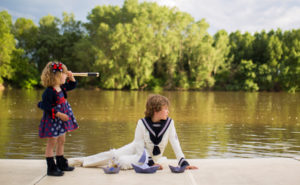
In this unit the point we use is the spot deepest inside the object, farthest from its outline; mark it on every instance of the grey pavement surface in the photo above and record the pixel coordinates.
(254, 171)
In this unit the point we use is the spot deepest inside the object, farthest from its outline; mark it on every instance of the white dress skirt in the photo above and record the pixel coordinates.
(130, 153)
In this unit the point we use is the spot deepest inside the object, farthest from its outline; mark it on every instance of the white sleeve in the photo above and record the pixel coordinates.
(175, 142)
(139, 138)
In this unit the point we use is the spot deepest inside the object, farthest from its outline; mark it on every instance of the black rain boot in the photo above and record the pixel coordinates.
(62, 163)
(52, 169)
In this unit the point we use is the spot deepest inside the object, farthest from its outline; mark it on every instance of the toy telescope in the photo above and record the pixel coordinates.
(96, 74)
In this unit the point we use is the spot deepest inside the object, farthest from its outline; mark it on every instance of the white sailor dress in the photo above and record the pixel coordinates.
(131, 152)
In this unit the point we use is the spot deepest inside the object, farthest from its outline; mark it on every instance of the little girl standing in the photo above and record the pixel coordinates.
(58, 117)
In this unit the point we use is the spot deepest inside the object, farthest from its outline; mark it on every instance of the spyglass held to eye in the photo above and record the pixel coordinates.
(58, 67)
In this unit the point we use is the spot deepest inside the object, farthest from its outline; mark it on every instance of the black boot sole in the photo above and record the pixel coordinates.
(56, 174)
(68, 169)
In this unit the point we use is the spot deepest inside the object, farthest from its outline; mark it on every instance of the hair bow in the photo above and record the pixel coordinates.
(57, 67)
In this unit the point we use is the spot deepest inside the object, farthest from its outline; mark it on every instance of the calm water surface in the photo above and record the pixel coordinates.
(208, 124)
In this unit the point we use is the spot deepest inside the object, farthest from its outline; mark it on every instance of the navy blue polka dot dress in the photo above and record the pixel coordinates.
(52, 126)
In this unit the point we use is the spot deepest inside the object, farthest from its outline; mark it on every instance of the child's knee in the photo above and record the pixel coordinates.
(52, 141)
(61, 140)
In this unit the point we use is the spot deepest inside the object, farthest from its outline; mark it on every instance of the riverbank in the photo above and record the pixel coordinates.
(251, 171)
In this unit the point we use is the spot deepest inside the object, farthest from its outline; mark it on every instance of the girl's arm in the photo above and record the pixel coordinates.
(71, 82)
(47, 101)
(139, 138)
(46, 105)
(177, 149)
(70, 76)
(69, 85)
(175, 142)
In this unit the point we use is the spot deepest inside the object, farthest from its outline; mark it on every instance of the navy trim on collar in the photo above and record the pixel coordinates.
(156, 139)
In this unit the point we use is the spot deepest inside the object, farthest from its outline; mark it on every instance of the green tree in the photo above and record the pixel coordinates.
(71, 33)
(48, 41)
(246, 73)
(268, 56)
(147, 46)
(26, 33)
(25, 71)
(290, 68)
(170, 27)
(25, 74)
(221, 62)
(7, 46)
(241, 49)
(222, 48)
(199, 53)
(138, 44)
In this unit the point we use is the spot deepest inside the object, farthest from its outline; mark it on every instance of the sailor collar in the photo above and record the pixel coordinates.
(149, 126)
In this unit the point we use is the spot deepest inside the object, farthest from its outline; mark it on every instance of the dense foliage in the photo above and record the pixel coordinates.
(147, 46)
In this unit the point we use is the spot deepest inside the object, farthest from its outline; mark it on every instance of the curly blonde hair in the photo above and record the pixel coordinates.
(49, 78)
(154, 104)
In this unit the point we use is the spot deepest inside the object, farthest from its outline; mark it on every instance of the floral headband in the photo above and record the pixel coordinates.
(56, 67)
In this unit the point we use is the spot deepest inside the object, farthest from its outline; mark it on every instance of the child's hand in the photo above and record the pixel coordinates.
(62, 116)
(191, 168)
(160, 166)
(70, 76)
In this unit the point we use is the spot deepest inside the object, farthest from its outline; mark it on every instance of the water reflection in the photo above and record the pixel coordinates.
(209, 124)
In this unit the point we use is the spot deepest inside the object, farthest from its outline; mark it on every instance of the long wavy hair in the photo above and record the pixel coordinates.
(49, 78)
(155, 102)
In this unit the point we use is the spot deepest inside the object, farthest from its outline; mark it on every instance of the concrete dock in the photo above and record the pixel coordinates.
(257, 171)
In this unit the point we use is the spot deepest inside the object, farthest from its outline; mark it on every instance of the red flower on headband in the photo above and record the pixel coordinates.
(57, 67)
(60, 66)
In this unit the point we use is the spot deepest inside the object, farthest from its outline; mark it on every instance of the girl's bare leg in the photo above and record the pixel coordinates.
(60, 145)
(50, 146)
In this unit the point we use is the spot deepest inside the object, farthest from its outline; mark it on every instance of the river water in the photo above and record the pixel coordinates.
(208, 124)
